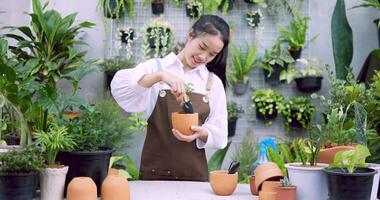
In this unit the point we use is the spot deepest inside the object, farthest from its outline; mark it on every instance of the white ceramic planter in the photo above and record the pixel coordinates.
(311, 182)
(52, 182)
(375, 184)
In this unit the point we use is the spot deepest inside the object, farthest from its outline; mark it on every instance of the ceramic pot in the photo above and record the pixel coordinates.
(52, 183)
(115, 187)
(252, 185)
(222, 183)
(183, 122)
(286, 193)
(327, 155)
(82, 188)
(267, 171)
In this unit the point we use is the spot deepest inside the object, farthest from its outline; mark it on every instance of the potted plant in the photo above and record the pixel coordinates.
(158, 38)
(274, 62)
(18, 173)
(183, 120)
(297, 113)
(226, 5)
(234, 112)
(295, 37)
(52, 177)
(242, 65)
(254, 18)
(115, 9)
(349, 176)
(266, 102)
(258, 2)
(194, 8)
(112, 65)
(157, 6)
(286, 191)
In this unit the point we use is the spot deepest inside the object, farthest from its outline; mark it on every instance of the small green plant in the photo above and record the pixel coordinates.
(120, 7)
(285, 182)
(234, 111)
(298, 111)
(275, 57)
(266, 102)
(115, 64)
(243, 63)
(254, 18)
(54, 140)
(258, 2)
(186, 105)
(24, 160)
(195, 8)
(352, 159)
(126, 167)
(311, 68)
(138, 123)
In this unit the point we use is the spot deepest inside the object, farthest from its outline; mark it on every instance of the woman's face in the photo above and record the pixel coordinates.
(202, 49)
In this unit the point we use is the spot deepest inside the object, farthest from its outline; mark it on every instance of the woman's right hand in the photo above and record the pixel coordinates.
(176, 84)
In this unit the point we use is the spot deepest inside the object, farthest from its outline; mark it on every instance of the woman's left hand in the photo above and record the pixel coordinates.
(199, 132)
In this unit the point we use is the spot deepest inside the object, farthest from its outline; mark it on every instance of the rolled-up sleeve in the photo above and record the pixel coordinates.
(216, 123)
(131, 96)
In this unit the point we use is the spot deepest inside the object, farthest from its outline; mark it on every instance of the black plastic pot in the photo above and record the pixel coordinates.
(309, 84)
(266, 116)
(12, 139)
(345, 186)
(274, 78)
(88, 164)
(295, 123)
(295, 53)
(18, 186)
(152, 40)
(125, 36)
(109, 77)
(232, 127)
(249, 1)
(157, 8)
(111, 14)
(192, 12)
(240, 88)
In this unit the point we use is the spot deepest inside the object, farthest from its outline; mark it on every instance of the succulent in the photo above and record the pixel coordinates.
(187, 107)
(285, 182)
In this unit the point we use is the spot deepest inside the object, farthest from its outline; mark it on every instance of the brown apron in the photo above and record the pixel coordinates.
(164, 157)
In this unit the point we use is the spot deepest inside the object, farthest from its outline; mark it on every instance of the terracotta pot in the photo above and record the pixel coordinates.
(327, 155)
(71, 115)
(267, 195)
(82, 188)
(253, 186)
(270, 186)
(183, 122)
(52, 182)
(267, 171)
(113, 171)
(286, 193)
(115, 187)
(222, 183)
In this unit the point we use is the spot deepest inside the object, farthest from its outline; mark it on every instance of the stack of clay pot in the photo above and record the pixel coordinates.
(267, 180)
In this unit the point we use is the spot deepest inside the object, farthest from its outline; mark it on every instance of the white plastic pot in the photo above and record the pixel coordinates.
(311, 182)
(52, 182)
(375, 184)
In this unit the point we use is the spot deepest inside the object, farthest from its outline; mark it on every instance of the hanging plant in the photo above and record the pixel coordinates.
(254, 18)
(115, 9)
(124, 41)
(194, 8)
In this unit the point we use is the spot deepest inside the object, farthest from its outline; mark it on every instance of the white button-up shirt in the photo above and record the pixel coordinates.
(134, 98)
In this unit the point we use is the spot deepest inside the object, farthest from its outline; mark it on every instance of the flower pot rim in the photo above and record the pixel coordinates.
(343, 147)
(222, 172)
(293, 187)
(306, 77)
(332, 171)
(32, 173)
(178, 113)
(299, 166)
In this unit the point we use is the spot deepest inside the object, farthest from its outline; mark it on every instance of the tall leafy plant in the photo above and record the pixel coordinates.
(342, 40)
(243, 63)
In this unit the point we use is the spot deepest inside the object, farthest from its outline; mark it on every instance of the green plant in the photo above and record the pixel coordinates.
(115, 64)
(243, 63)
(296, 36)
(216, 160)
(254, 18)
(24, 160)
(342, 40)
(186, 105)
(246, 153)
(298, 109)
(225, 5)
(161, 35)
(138, 123)
(120, 7)
(126, 167)
(234, 111)
(285, 182)
(311, 68)
(54, 140)
(275, 57)
(195, 7)
(370, 3)
(275, 157)
(259, 2)
(123, 42)
(350, 160)
(266, 101)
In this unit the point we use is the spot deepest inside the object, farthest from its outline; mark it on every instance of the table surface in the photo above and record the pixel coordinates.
(183, 190)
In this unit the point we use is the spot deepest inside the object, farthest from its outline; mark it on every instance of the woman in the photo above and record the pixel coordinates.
(156, 86)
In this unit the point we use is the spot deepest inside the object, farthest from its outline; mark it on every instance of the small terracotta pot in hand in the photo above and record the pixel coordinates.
(183, 122)
(222, 183)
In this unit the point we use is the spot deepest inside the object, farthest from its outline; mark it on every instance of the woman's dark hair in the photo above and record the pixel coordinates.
(215, 25)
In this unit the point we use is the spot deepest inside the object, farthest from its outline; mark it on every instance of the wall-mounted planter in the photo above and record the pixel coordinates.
(232, 127)
(157, 8)
(192, 11)
(295, 123)
(309, 84)
(240, 88)
(152, 40)
(295, 53)
(274, 78)
(267, 116)
(127, 35)
(111, 13)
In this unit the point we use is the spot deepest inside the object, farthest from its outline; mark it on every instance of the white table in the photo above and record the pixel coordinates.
(183, 190)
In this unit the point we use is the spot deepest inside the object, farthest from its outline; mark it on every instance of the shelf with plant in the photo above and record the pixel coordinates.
(115, 9)
(295, 37)
(243, 62)
(158, 37)
(266, 102)
(274, 62)
(254, 18)
(194, 8)
(297, 112)
(234, 112)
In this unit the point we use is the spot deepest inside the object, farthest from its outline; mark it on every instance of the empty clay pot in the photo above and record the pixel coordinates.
(222, 183)
(183, 122)
(270, 186)
(82, 188)
(267, 171)
(115, 187)
(286, 193)
(267, 195)
(327, 155)
(252, 185)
